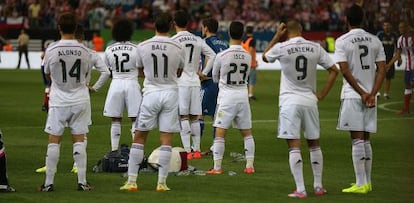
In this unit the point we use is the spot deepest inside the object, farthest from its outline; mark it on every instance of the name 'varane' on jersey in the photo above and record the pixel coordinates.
(298, 83)
(68, 63)
(160, 57)
(193, 46)
(120, 57)
(361, 50)
(231, 69)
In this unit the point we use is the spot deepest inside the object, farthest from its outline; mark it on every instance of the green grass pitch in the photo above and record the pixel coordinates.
(22, 122)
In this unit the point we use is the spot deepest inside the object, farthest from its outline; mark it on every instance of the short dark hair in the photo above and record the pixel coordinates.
(355, 15)
(181, 18)
(122, 30)
(236, 30)
(163, 22)
(211, 24)
(67, 23)
(249, 29)
(79, 32)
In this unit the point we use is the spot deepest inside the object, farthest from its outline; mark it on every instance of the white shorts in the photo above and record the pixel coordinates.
(294, 118)
(189, 100)
(121, 94)
(354, 116)
(239, 114)
(159, 108)
(75, 117)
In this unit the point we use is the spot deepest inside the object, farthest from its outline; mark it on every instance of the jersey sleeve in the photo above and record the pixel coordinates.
(381, 52)
(139, 58)
(207, 51)
(340, 54)
(273, 54)
(324, 59)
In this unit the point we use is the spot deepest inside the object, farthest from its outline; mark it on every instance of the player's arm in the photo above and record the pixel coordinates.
(351, 80)
(216, 70)
(281, 30)
(104, 73)
(332, 74)
(210, 56)
(253, 53)
(397, 56)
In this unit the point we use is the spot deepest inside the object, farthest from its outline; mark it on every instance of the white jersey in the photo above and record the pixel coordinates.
(193, 46)
(360, 50)
(121, 57)
(68, 63)
(406, 45)
(160, 57)
(298, 58)
(98, 63)
(230, 70)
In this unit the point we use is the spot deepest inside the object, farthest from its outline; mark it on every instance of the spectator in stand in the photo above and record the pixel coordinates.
(98, 42)
(34, 14)
(7, 46)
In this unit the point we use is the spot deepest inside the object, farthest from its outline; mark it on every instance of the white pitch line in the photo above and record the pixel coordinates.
(383, 106)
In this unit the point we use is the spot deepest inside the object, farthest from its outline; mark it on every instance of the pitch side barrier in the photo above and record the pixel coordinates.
(9, 61)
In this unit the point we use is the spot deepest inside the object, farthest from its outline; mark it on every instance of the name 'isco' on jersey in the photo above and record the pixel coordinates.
(120, 57)
(298, 58)
(405, 44)
(193, 46)
(231, 69)
(68, 63)
(160, 57)
(361, 50)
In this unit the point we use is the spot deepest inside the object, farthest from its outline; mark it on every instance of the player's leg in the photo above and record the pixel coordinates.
(368, 159)
(26, 54)
(243, 121)
(408, 78)
(114, 107)
(296, 168)
(164, 161)
(195, 111)
(133, 102)
(4, 182)
(388, 77)
(184, 110)
(116, 130)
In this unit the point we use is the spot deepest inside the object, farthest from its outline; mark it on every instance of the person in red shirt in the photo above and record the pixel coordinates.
(98, 42)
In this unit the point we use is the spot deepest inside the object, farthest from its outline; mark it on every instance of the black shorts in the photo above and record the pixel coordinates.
(390, 73)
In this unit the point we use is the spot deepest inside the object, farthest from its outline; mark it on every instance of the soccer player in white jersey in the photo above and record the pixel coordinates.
(361, 58)
(67, 64)
(97, 62)
(189, 83)
(230, 70)
(161, 60)
(125, 91)
(405, 47)
(298, 97)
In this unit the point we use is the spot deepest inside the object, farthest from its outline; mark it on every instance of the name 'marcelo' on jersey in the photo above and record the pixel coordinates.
(361, 50)
(121, 57)
(231, 69)
(68, 62)
(298, 58)
(160, 57)
(193, 46)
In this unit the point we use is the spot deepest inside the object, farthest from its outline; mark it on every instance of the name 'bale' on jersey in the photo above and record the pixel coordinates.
(160, 57)
(68, 63)
(361, 50)
(231, 69)
(120, 57)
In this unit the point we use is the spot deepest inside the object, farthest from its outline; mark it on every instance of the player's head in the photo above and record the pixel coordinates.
(79, 33)
(236, 30)
(403, 27)
(122, 30)
(67, 23)
(293, 27)
(249, 30)
(210, 25)
(386, 25)
(181, 18)
(163, 22)
(355, 15)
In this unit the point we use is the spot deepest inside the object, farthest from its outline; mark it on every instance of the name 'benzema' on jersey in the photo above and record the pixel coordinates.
(301, 49)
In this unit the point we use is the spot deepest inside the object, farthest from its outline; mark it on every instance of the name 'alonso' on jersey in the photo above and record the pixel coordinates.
(361, 50)
(120, 57)
(68, 63)
(298, 58)
(231, 69)
(160, 57)
(193, 46)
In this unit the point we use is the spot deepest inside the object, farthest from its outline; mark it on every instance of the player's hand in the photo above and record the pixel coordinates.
(369, 100)
(319, 96)
(399, 61)
(281, 30)
(91, 89)
(202, 76)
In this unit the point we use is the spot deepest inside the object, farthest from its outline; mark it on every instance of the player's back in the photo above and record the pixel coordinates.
(192, 46)
(68, 63)
(217, 45)
(233, 67)
(120, 57)
(361, 50)
(160, 57)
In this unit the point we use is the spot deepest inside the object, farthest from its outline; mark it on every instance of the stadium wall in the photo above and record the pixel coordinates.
(9, 61)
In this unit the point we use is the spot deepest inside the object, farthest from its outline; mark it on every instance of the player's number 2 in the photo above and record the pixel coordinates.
(364, 52)
(120, 66)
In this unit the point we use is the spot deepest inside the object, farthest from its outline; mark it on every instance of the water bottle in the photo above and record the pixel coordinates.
(232, 173)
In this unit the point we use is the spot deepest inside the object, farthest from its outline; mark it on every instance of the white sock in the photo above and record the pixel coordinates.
(249, 148)
(52, 159)
(296, 167)
(368, 160)
(133, 130)
(136, 155)
(196, 132)
(85, 142)
(218, 152)
(185, 135)
(164, 163)
(115, 135)
(79, 155)
(358, 159)
(316, 158)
